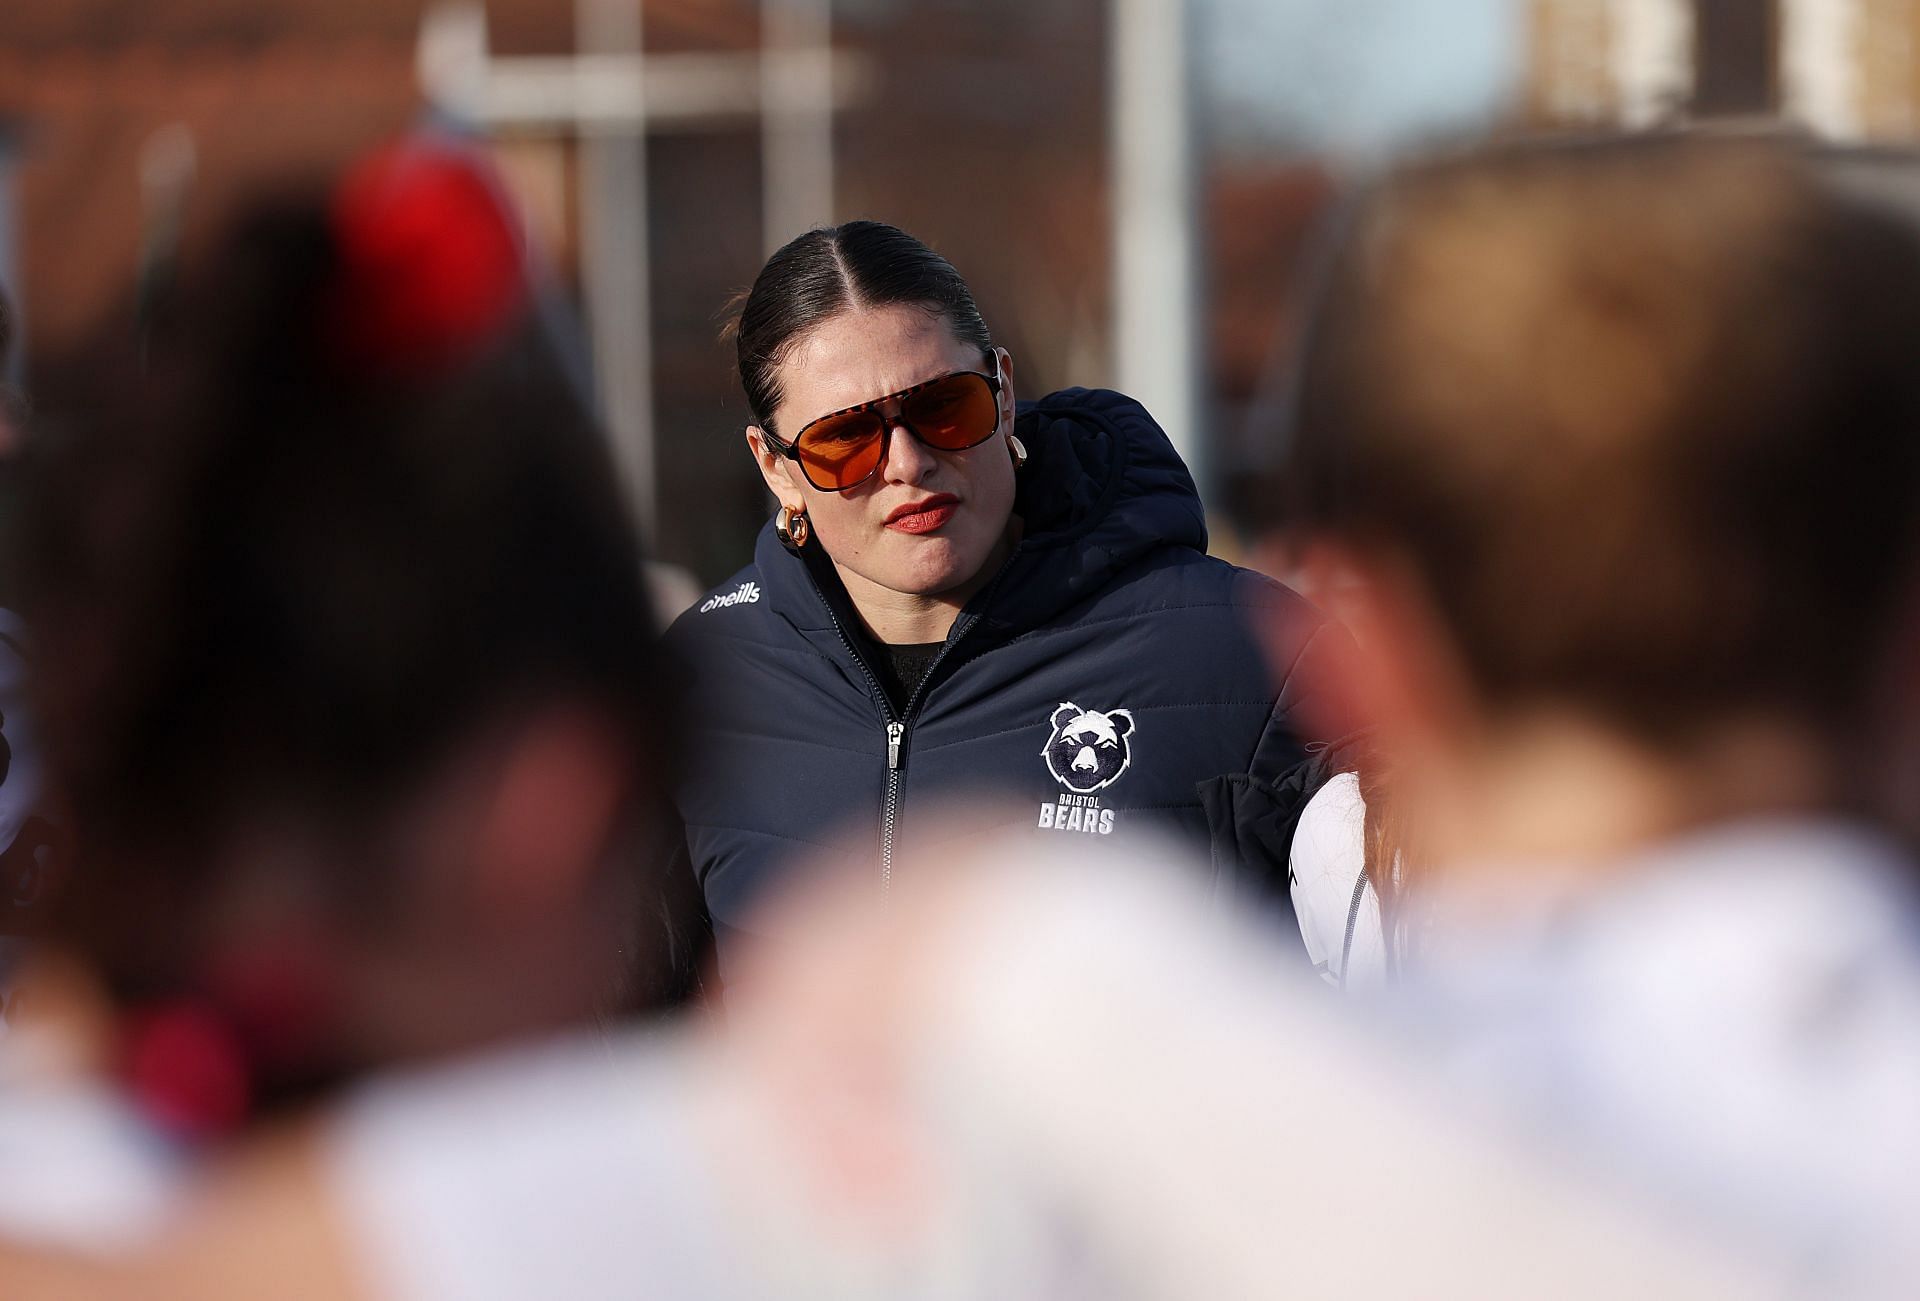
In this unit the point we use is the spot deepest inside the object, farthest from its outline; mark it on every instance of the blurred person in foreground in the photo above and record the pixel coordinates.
(350, 690)
(1663, 1035)
(1635, 527)
(1681, 615)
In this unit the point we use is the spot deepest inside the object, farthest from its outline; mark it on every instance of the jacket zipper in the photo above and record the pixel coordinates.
(896, 733)
(897, 727)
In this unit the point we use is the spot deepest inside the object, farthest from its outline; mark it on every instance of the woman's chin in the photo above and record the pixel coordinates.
(931, 565)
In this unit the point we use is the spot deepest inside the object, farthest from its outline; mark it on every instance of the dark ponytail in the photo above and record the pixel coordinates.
(825, 272)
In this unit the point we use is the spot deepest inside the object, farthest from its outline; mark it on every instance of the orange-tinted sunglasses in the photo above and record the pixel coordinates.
(843, 449)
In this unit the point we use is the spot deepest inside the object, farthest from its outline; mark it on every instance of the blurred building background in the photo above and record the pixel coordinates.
(1849, 69)
(1132, 186)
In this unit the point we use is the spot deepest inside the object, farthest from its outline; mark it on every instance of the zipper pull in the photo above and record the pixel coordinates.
(894, 732)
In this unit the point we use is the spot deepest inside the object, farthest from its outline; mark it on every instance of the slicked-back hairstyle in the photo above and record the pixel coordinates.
(829, 270)
(1643, 417)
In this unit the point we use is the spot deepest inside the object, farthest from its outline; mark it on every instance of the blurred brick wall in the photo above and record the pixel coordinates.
(986, 136)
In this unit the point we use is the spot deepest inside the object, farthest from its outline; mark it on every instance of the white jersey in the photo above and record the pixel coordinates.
(1117, 1093)
(571, 1170)
(1729, 1023)
(1722, 1033)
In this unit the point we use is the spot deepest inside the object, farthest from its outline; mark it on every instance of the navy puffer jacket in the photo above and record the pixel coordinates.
(1111, 679)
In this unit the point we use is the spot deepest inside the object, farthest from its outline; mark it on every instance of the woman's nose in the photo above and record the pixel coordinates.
(908, 461)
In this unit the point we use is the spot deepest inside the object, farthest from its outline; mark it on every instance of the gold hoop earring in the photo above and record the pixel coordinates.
(1019, 451)
(793, 528)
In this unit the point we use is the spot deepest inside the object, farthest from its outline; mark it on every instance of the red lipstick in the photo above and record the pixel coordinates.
(923, 516)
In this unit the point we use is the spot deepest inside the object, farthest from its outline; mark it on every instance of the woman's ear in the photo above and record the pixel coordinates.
(547, 814)
(1407, 676)
(775, 469)
(1005, 359)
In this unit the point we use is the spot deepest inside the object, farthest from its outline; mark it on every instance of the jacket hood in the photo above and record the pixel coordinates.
(1102, 487)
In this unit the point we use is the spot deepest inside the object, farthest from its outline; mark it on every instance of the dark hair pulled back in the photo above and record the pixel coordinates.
(832, 269)
(270, 580)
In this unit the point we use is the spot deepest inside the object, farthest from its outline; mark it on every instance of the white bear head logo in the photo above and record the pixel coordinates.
(1088, 749)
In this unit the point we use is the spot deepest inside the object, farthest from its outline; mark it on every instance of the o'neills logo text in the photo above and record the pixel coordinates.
(745, 594)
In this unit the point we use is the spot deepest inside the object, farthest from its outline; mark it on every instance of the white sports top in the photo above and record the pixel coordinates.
(1728, 1046)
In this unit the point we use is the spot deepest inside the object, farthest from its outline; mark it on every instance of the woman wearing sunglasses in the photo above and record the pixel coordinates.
(965, 598)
